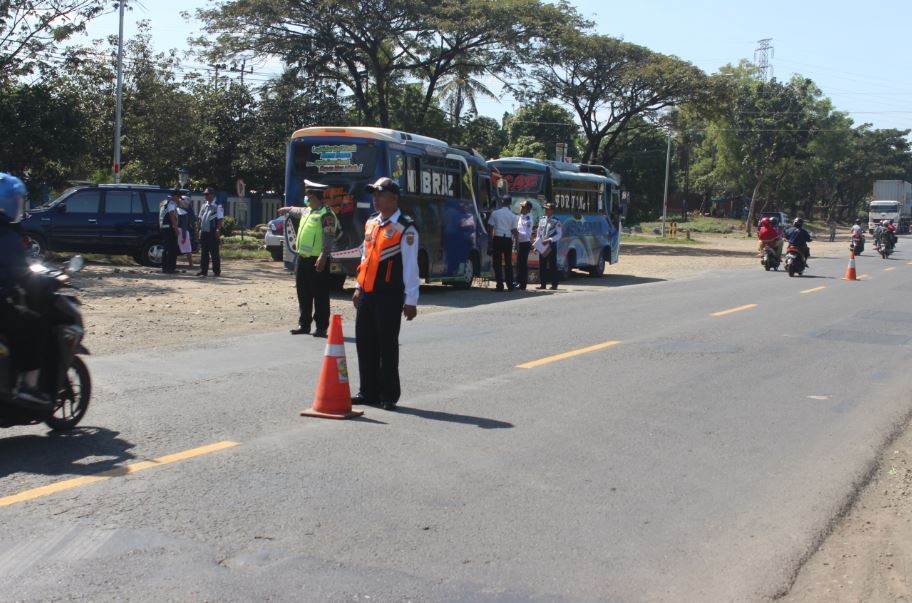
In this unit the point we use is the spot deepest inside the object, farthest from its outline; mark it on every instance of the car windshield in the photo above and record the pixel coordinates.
(63, 195)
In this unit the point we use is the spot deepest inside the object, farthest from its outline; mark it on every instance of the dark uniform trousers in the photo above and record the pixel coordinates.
(522, 263)
(377, 335)
(313, 293)
(209, 246)
(169, 254)
(503, 254)
(548, 266)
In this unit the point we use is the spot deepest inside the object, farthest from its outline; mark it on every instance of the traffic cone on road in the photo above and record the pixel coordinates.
(333, 397)
(850, 271)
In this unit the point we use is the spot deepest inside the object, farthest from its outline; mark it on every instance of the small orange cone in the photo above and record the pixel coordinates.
(333, 397)
(850, 271)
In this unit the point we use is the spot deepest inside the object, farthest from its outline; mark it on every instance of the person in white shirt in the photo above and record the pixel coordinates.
(548, 235)
(523, 243)
(502, 229)
(211, 215)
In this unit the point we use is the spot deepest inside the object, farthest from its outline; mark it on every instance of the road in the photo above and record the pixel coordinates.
(671, 441)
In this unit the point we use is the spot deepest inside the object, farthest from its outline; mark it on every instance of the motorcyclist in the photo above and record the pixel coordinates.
(880, 231)
(800, 238)
(774, 222)
(768, 235)
(857, 236)
(891, 232)
(25, 331)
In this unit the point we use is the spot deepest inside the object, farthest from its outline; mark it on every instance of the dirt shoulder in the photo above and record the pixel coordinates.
(867, 558)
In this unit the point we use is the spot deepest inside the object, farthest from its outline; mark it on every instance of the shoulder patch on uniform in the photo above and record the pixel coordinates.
(410, 238)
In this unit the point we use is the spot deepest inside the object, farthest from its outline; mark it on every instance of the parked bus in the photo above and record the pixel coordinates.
(442, 188)
(586, 200)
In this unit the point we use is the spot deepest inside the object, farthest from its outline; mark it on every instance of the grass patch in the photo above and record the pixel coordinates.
(699, 224)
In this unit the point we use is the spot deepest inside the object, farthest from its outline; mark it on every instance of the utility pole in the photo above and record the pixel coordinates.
(242, 70)
(762, 57)
(667, 174)
(119, 103)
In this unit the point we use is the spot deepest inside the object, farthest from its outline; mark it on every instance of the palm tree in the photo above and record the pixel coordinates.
(462, 90)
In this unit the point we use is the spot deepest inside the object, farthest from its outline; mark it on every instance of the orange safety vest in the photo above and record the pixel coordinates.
(381, 269)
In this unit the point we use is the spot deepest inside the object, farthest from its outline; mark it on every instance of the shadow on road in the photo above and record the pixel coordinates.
(683, 250)
(436, 415)
(83, 451)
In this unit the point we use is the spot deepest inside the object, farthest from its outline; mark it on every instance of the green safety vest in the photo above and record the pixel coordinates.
(311, 229)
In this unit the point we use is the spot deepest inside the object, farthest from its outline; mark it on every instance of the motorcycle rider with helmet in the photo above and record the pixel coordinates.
(768, 235)
(25, 331)
(891, 232)
(800, 238)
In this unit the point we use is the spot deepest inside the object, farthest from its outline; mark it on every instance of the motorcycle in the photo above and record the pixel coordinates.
(885, 247)
(857, 245)
(64, 376)
(769, 259)
(794, 261)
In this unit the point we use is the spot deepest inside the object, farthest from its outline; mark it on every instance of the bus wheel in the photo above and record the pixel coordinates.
(569, 265)
(471, 269)
(599, 268)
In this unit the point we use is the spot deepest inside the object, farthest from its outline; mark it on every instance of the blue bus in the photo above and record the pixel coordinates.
(586, 199)
(444, 189)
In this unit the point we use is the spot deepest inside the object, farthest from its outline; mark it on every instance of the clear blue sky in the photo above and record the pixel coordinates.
(857, 53)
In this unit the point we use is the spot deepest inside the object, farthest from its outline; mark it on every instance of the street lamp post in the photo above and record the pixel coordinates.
(667, 172)
(119, 104)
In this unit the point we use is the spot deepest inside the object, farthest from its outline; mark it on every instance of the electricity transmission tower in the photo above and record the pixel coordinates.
(762, 57)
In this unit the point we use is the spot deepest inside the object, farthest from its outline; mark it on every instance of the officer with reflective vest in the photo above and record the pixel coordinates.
(387, 290)
(318, 230)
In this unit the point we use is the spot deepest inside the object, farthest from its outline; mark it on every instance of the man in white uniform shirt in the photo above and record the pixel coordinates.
(502, 229)
(523, 243)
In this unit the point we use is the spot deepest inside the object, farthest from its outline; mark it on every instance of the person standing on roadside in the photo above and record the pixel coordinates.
(167, 224)
(186, 226)
(502, 229)
(387, 290)
(318, 230)
(548, 234)
(210, 224)
(523, 243)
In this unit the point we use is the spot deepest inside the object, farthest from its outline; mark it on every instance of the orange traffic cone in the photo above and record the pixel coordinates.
(850, 271)
(333, 397)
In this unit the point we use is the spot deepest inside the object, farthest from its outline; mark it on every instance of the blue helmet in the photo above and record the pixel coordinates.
(12, 196)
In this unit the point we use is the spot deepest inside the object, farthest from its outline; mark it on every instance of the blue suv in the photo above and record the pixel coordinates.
(111, 219)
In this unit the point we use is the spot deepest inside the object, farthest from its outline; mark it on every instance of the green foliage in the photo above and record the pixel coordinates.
(229, 225)
(541, 126)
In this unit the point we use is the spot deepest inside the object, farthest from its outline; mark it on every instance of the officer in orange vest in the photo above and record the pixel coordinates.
(387, 290)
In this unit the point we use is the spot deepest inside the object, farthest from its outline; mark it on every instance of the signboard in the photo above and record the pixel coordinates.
(523, 183)
(335, 159)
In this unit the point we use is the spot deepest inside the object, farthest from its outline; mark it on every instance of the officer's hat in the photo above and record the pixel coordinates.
(310, 185)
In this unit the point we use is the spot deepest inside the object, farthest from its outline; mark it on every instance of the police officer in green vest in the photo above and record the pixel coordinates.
(318, 229)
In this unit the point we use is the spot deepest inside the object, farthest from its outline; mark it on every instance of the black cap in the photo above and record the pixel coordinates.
(383, 185)
(209, 190)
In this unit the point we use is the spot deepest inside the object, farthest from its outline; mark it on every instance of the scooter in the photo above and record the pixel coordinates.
(64, 377)
(885, 246)
(794, 261)
(769, 259)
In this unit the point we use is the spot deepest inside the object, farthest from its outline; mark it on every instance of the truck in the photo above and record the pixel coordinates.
(892, 200)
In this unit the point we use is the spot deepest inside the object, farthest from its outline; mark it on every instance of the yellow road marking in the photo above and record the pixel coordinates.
(116, 472)
(861, 276)
(890, 268)
(733, 310)
(570, 354)
(812, 290)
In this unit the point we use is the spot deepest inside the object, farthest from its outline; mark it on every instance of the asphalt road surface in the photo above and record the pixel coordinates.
(690, 440)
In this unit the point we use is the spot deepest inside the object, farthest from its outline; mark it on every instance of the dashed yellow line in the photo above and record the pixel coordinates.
(116, 472)
(890, 268)
(570, 354)
(733, 310)
(814, 289)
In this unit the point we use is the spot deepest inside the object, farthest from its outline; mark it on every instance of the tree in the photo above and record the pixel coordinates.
(546, 124)
(485, 135)
(368, 46)
(607, 82)
(30, 31)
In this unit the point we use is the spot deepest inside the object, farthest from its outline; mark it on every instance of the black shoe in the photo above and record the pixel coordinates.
(300, 331)
(388, 405)
(201, 274)
(360, 400)
(320, 333)
(541, 287)
(554, 287)
(522, 287)
(217, 274)
(500, 287)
